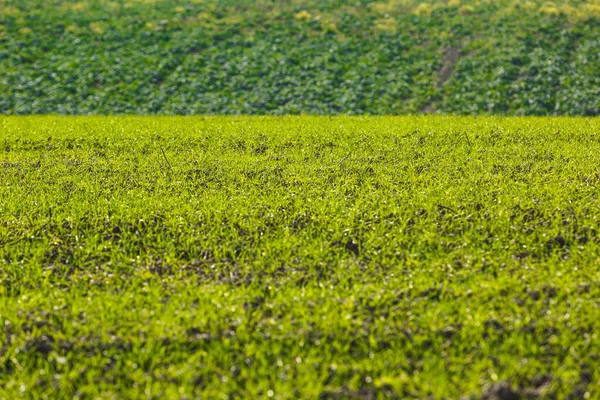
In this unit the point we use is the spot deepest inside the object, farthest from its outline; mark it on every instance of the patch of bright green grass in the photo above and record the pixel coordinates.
(299, 257)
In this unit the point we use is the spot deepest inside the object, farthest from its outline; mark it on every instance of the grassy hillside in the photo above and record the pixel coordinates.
(299, 257)
(302, 56)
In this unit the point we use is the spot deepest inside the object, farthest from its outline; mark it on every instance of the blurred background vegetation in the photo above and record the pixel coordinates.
(300, 56)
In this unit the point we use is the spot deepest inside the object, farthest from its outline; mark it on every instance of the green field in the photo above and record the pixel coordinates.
(312, 257)
(368, 57)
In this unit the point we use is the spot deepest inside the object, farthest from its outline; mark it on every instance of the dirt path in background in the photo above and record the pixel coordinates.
(448, 62)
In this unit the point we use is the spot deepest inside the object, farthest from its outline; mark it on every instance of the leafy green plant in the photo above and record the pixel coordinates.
(299, 57)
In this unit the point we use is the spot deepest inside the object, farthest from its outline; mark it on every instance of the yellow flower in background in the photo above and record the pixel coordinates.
(25, 31)
(302, 15)
(9, 11)
(592, 10)
(550, 9)
(97, 28)
(327, 24)
(423, 10)
(454, 3)
(528, 5)
(385, 24)
(466, 10)
(179, 9)
(80, 6)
